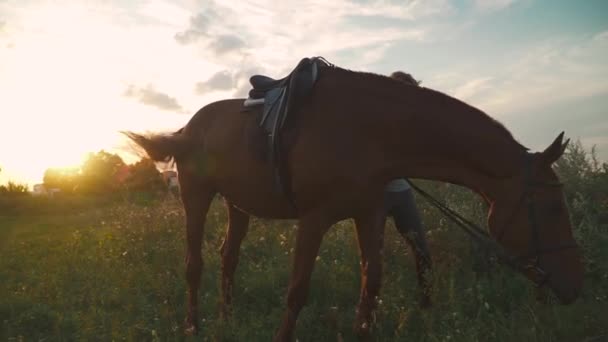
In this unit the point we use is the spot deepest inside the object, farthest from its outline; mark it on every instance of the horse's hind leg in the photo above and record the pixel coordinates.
(370, 236)
(196, 199)
(238, 223)
(308, 240)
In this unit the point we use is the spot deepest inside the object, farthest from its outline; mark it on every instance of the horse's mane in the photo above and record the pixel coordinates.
(386, 81)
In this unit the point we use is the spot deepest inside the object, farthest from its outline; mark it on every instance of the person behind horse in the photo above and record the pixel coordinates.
(401, 206)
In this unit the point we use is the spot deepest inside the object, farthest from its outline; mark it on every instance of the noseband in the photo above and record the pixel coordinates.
(530, 261)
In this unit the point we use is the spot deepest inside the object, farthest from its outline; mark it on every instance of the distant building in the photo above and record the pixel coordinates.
(39, 190)
(52, 191)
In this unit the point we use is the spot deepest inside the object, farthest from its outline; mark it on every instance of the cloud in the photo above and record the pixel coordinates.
(213, 30)
(188, 36)
(164, 12)
(492, 5)
(601, 144)
(226, 43)
(557, 70)
(601, 37)
(276, 36)
(221, 80)
(242, 76)
(270, 38)
(151, 97)
(472, 88)
(412, 10)
(212, 33)
(199, 25)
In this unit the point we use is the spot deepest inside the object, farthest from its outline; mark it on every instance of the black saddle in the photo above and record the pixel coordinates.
(262, 82)
(280, 99)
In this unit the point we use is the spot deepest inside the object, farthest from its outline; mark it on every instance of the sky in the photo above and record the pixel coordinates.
(75, 73)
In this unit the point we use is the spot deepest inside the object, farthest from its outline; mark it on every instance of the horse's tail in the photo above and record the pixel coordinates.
(163, 147)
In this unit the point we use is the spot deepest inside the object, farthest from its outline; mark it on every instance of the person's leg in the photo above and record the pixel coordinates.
(407, 219)
(408, 223)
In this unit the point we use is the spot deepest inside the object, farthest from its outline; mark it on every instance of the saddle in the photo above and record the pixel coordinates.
(280, 98)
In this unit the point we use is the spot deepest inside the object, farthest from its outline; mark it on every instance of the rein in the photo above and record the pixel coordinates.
(472, 229)
(517, 262)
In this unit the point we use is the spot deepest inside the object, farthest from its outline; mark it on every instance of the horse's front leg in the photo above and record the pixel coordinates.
(370, 236)
(196, 201)
(308, 240)
(238, 224)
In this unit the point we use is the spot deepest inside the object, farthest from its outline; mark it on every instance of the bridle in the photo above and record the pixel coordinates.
(530, 261)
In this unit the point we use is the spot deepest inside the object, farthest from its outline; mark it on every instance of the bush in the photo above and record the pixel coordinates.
(13, 188)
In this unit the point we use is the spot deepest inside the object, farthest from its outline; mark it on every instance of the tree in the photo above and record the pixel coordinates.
(64, 179)
(144, 177)
(585, 182)
(101, 173)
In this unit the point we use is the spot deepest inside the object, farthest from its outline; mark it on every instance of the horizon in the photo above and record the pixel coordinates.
(73, 76)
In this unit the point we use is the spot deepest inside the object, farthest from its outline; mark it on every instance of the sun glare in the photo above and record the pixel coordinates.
(62, 84)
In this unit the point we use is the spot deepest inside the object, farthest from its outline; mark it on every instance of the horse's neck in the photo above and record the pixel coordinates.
(456, 145)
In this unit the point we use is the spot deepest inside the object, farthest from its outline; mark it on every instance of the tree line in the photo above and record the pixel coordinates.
(101, 173)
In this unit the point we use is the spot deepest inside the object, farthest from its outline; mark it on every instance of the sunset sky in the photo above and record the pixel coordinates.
(74, 73)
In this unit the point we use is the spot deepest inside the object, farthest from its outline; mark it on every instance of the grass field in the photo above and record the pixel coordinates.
(113, 270)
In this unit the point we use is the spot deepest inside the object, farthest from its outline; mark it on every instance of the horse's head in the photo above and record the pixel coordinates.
(530, 220)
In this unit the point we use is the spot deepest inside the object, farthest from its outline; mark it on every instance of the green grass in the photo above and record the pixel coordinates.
(115, 271)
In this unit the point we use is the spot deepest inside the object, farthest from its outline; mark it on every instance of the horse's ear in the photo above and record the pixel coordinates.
(552, 153)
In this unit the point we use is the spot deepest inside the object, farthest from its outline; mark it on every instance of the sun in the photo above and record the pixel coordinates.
(62, 83)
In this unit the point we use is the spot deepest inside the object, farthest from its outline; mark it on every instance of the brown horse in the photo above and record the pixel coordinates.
(238, 224)
(357, 132)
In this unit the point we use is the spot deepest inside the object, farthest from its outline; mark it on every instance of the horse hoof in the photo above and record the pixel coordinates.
(282, 337)
(362, 330)
(191, 328)
(191, 331)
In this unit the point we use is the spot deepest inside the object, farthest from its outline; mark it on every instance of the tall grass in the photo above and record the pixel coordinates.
(113, 270)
